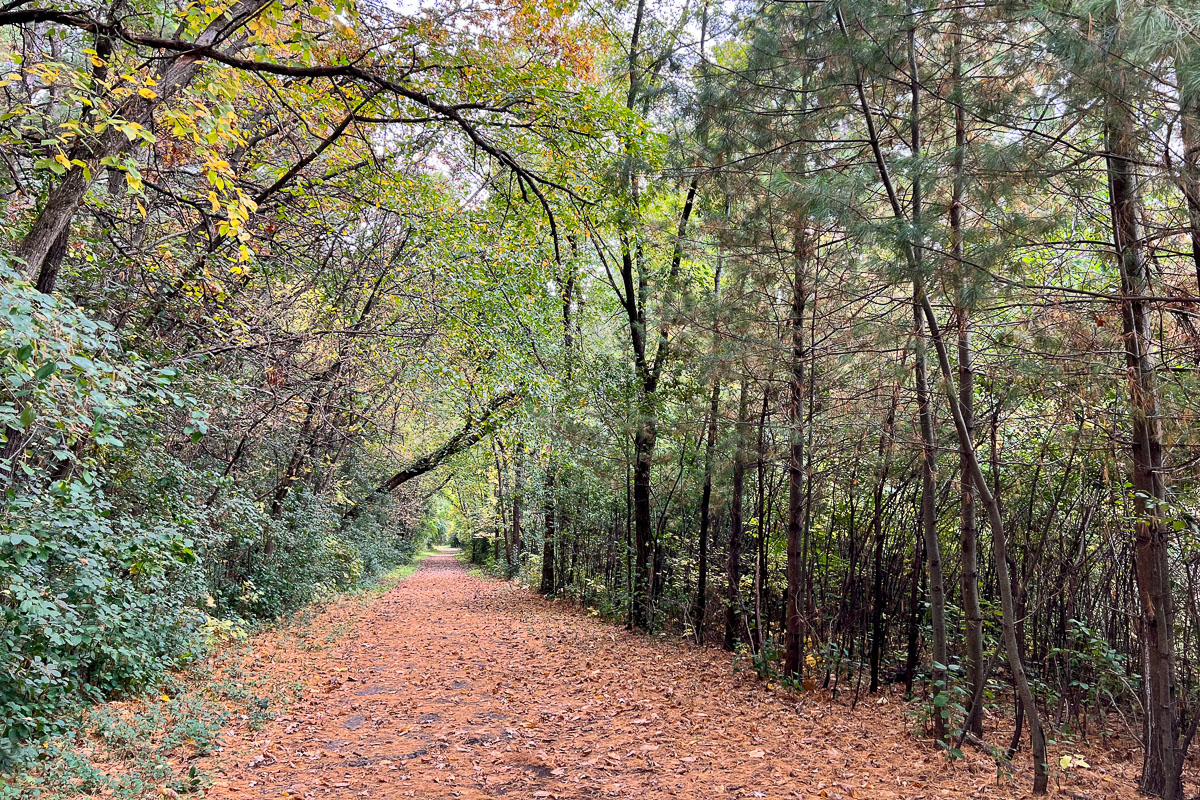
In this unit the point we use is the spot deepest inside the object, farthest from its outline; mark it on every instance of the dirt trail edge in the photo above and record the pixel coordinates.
(455, 686)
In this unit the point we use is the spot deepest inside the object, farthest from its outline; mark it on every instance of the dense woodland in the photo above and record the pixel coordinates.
(859, 338)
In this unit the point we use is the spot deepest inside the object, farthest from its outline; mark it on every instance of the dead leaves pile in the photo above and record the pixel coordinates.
(453, 686)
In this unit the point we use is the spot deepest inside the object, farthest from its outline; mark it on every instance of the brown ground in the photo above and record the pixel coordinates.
(455, 686)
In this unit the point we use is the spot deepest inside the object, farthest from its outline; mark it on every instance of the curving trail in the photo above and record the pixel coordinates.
(455, 686)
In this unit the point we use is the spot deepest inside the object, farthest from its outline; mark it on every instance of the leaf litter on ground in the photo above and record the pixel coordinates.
(453, 685)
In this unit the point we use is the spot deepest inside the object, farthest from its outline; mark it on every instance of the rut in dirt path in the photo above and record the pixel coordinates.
(454, 686)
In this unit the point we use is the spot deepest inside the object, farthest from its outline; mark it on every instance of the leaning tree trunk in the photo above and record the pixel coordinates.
(933, 550)
(990, 501)
(66, 198)
(913, 256)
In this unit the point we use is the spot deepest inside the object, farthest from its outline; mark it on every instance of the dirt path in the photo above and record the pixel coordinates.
(453, 686)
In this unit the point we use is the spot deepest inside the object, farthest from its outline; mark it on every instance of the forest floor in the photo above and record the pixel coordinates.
(453, 685)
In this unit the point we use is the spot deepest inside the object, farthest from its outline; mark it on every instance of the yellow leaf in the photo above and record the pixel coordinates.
(60, 158)
(216, 204)
(149, 94)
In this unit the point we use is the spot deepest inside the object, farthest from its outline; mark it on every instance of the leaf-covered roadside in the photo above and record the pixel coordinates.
(457, 685)
(236, 302)
(118, 562)
(859, 336)
(153, 744)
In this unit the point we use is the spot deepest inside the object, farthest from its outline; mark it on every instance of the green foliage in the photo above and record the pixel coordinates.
(116, 559)
(1098, 675)
(949, 697)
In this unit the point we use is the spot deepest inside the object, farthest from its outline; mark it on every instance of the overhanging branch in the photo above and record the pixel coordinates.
(473, 430)
(455, 113)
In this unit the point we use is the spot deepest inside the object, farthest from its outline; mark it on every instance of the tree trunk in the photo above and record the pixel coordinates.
(502, 529)
(760, 561)
(714, 401)
(643, 531)
(53, 221)
(66, 198)
(913, 256)
(914, 611)
(933, 550)
(47, 276)
(733, 599)
(300, 452)
(969, 534)
(547, 585)
(999, 553)
(968, 529)
(793, 632)
(1151, 532)
(516, 508)
(879, 601)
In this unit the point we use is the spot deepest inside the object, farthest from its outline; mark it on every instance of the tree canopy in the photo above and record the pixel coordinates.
(860, 338)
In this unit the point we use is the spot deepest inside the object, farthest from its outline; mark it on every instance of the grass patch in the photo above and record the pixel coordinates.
(399, 574)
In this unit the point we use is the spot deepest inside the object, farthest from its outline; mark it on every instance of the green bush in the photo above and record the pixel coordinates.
(116, 554)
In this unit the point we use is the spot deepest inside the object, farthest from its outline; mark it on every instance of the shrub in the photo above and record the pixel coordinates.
(119, 558)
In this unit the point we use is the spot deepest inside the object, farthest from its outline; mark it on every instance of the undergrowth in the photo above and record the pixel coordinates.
(151, 745)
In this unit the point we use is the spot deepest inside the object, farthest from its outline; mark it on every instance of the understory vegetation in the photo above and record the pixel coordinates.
(151, 743)
(857, 338)
(130, 561)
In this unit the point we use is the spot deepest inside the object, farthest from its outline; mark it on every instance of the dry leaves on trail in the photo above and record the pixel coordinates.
(454, 686)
